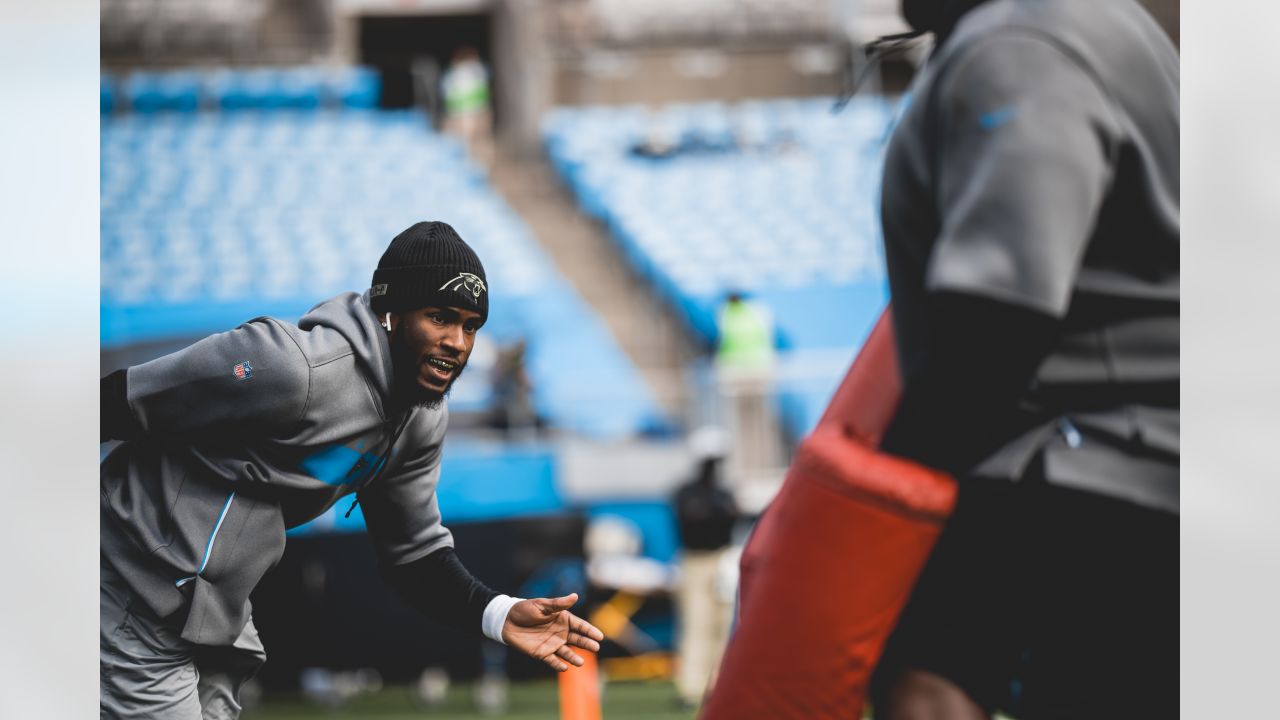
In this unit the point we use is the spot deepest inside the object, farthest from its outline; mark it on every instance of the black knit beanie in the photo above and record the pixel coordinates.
(428, 264)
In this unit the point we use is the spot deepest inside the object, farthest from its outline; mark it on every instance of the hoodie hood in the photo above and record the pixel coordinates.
(351, 316)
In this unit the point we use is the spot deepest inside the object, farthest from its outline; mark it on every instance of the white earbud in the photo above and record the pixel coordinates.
(386, 323)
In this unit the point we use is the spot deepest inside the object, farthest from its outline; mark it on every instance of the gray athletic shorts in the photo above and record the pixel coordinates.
(148, 671)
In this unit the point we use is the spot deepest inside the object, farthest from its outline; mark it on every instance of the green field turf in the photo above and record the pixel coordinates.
(527, 701)
(648, 700)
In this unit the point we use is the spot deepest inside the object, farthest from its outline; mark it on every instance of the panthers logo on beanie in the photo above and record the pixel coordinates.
(466, 282)
(417, 261)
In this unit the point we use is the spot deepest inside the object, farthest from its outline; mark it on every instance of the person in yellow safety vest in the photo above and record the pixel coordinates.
(744, 368)
(466, 102)
(746, 336)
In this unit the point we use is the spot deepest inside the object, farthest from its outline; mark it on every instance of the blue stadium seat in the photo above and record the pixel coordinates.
(359, 87)
(107, 93)
(148, 92)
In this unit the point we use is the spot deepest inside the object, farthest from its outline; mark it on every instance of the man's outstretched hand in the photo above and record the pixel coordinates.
(543, 628)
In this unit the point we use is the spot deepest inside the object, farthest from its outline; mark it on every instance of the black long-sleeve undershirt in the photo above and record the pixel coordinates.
(960, 403)
(442, 588)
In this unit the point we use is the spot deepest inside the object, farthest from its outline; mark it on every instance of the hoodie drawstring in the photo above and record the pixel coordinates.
(382, 464)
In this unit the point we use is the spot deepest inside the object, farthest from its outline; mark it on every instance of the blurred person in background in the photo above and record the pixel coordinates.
(746, 336)
(246, 433)
(744, 360)
(466, 105)
(705, 515)
(1030, 208)
(512, 410)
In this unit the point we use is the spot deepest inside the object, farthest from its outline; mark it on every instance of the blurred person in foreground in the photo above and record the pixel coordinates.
(246, 433)
(1031, 220)
(705, 514)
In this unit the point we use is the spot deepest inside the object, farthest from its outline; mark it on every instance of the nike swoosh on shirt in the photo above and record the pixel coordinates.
(995, 118)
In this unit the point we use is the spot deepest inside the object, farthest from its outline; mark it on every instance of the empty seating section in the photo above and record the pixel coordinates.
(246, 88)
(774, 198)
(211, 218)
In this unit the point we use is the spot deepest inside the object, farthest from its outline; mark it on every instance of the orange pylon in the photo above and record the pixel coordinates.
(580, 690)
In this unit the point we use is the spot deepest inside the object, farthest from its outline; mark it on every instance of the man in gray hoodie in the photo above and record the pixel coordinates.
(247, 433)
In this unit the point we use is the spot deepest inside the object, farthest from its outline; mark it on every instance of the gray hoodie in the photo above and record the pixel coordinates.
(251, 432)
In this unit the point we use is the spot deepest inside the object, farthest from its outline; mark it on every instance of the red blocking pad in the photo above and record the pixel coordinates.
(832, 561)
(864, 403)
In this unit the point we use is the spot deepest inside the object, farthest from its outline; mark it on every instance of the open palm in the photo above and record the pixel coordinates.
(543, 628)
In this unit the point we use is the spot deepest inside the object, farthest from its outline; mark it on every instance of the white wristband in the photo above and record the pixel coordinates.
(495, 616)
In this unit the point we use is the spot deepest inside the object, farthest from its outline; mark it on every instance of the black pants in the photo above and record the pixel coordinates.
(1045, 602)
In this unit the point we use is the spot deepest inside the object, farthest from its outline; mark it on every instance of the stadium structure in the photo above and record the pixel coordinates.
(651, 157)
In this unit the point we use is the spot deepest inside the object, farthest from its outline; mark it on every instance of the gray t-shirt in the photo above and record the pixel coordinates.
(1037, 165)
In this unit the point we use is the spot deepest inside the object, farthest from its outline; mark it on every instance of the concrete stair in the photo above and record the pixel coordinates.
(648, 331)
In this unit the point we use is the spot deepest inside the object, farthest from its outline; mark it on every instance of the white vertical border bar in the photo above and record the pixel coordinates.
(49, 358)
(1230, 357)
